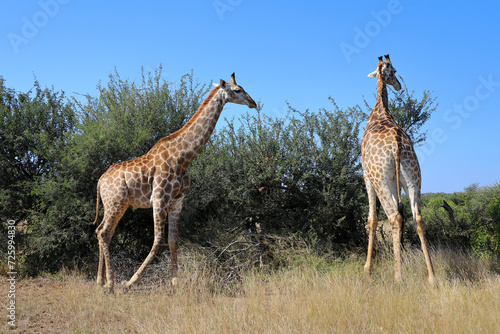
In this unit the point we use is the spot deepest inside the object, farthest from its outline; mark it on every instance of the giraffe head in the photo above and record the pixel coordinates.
(236, 94)
(387, 72)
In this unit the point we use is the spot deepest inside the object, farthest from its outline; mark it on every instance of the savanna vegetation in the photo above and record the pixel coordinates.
(311, 294)
(270, 199)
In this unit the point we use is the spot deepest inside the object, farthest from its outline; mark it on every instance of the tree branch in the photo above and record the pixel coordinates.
(448, 208)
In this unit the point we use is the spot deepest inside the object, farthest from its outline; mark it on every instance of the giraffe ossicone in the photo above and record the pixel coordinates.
(158, 179)
(389, 163)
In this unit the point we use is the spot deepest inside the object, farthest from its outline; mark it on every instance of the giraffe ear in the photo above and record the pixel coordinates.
(373, 74)
(222, 84)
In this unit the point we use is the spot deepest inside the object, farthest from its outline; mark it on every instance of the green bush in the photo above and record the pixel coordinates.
(299, 174)
(34, 131)
(474, 221)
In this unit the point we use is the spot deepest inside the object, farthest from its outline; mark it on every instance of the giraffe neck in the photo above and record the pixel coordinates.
(191, 139)
(381, 109)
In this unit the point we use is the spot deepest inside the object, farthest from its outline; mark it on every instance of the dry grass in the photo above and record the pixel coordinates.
(312, 296)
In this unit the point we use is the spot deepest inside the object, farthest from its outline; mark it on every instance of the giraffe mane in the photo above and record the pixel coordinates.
(196, 115)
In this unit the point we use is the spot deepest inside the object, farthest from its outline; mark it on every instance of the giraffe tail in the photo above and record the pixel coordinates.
(398, 175)
(401, 207)
(97, 203)
(401, 210)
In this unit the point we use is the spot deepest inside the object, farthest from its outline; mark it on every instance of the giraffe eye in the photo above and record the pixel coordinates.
(237, 90)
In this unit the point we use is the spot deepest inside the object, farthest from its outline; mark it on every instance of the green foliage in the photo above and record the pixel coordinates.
(34, 130)
(475, 221)
(299, 174)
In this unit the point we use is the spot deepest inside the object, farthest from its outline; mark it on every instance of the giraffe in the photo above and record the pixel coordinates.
(389, 162)
(158, 179)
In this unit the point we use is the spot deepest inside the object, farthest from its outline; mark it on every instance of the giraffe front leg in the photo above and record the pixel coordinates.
(173, 221)
(157, 246)
(173, 237)
(160, 215)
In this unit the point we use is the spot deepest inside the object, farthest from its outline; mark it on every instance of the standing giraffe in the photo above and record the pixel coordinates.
(158, 179)
(390, 162)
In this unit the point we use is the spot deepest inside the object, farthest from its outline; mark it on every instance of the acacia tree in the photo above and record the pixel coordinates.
(34, 129)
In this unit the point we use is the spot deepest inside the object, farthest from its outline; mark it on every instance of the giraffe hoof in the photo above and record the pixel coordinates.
(125, 286)
(175, 281)
(367, 271)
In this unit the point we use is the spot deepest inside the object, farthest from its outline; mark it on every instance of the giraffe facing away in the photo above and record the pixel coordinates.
(389, 162)
(159, 180)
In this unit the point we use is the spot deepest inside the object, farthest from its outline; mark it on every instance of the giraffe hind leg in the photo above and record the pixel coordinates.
(397, 230)
(390, 205)
(414, 197)
(105, 232)
(428, 261)
(101, 272)
(372, 225)
(421, 234)
(107, 267)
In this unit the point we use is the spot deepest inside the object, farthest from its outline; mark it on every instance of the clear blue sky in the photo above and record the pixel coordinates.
(295, 51)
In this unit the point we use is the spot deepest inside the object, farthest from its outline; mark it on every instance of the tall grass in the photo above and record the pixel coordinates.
(314, 294)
